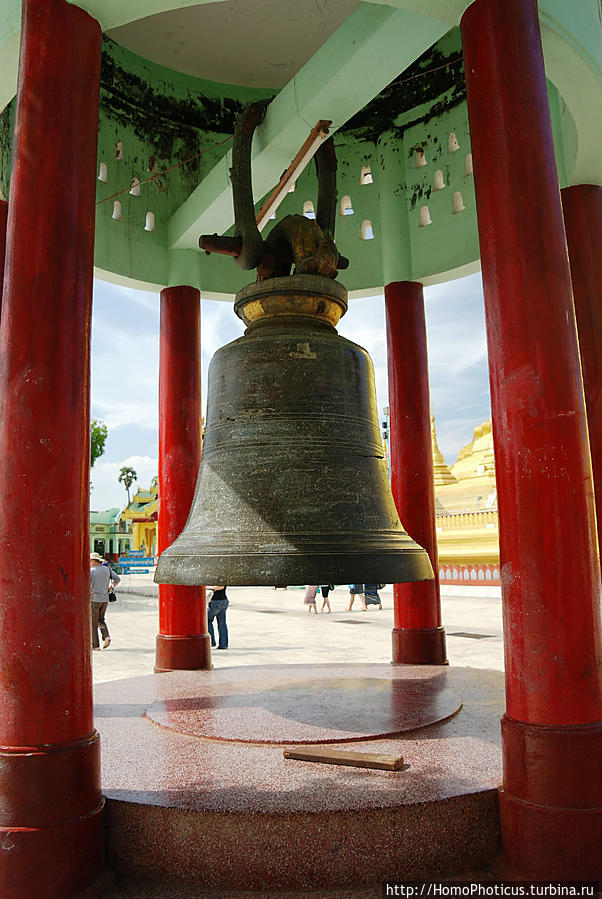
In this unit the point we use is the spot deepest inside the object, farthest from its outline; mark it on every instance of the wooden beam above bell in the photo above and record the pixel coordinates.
(305, 154)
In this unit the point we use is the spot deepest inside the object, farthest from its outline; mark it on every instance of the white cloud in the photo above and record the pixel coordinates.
(457, 361)
(219, 325)
(125, 357)
(107, 492)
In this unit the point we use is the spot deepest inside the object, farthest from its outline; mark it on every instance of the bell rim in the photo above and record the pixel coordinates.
(263, 569)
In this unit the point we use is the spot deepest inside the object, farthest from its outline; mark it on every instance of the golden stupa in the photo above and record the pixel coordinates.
(466, 502)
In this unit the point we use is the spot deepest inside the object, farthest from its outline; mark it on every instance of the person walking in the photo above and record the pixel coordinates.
(101, 578)
(371, 595)
(310, 599)
(325, 590)
(357, 590)
(217, 609)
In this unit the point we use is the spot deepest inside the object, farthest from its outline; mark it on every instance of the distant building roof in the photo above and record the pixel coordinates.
(143, 505)
(107, 516)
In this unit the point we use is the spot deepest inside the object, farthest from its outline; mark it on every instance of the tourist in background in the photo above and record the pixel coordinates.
(325, 590)
(217, 609)
(371, 595)
(310, 599)
(357, 590)
(101, 578)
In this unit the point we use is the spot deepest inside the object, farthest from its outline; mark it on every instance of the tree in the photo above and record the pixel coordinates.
(98, 436)
(127, 476)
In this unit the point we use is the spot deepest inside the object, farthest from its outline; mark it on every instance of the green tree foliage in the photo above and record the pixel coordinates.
(98, 436)
(127, 476)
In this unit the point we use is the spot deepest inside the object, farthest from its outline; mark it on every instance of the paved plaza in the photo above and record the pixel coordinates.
(269, 626)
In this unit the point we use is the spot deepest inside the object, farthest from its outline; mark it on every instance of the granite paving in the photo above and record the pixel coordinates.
(268, 626)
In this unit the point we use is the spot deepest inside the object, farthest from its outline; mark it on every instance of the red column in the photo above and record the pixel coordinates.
(51, 822)
(551, 801)
(418, 637)
(183, 641)
(3, 224)
(582, 207)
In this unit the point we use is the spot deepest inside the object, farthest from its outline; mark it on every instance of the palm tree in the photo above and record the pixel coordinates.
(127, 476)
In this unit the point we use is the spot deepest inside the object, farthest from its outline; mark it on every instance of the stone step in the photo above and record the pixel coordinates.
(199, 793)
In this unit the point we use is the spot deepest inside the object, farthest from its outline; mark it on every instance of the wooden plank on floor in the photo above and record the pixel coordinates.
(328, 756)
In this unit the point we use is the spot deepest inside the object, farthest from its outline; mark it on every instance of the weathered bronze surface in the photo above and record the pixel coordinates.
(293, 485)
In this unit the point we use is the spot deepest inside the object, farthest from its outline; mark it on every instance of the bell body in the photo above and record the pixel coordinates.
(293, 485)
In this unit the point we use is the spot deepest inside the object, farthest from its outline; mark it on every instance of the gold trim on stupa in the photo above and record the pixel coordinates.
(466, 503)
(476, 460)
(441, 472)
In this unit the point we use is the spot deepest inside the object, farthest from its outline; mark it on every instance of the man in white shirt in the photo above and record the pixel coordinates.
(101, 577)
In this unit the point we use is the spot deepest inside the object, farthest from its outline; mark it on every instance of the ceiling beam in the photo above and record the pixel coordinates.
(365, 54)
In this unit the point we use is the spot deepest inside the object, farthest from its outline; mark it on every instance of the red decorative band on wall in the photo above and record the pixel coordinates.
(470, 575)
(189, 653)
(43, 786)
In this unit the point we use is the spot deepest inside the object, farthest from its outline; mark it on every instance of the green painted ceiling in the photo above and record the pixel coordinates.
(388, 75)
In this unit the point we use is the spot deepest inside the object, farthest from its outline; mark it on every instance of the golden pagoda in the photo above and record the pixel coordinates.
(466, 508)
(441, 472)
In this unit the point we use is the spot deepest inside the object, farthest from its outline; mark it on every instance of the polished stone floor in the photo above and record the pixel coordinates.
(272, 627)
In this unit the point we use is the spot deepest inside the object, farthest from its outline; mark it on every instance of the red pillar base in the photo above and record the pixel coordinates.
(68, 859)
(419, 646)
(551, 801)
(51, 810)
(189, 653)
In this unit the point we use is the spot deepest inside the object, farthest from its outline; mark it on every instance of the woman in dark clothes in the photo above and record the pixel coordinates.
(371, 595)
(217, 609)
(357, 590)
(325, 590)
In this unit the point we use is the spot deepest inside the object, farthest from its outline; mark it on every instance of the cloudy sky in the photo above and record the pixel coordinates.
(125, 366)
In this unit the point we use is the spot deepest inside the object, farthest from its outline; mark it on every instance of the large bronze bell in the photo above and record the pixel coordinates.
(293, 485)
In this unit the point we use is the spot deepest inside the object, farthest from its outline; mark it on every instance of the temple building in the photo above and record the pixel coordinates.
(466, 511)
(110, 534)
(141, 516)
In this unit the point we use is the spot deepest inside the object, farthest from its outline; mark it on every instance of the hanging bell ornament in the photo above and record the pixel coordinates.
(293, 486)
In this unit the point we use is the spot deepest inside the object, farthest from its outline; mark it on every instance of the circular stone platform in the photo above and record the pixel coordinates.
(299, 709)
(285, 824)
